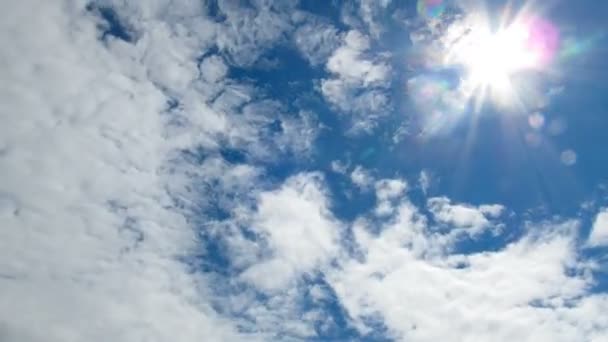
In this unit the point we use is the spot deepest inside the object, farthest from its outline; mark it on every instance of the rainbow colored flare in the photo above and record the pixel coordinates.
(430, 8)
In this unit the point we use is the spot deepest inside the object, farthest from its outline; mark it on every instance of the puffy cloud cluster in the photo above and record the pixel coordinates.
(531, 290)
(401, 272)
(107, 144)
(300, 229)
(474, 219)
(90, 239)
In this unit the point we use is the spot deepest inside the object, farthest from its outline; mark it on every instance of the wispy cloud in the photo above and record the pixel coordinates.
(359, 83)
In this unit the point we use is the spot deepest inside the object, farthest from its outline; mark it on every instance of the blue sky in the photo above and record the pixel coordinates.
(387, 170)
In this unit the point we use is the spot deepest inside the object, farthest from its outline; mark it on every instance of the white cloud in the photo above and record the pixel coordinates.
(340, 167)
(599, 232)
(92, 239)
(359, 83)
(300, 228)
(387, 191)
(248, 32)
(425, 181)
(369, 15)
(298, 133)
(367, 105)
(492, 210)
(468, 217)
(347, 62)
(526, 291)
(361, 177)
(213, 68)
(316, 41)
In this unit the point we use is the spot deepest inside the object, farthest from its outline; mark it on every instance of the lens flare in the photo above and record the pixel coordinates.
(536, 121)
(542, 40)
(430, 8)
(492, 57)
(510, 61)
(572, 47)
(568, 157)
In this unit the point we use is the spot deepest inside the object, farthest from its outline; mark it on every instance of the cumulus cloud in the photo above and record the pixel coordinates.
(387, 191)
(599, 231)
(338, 166)
(422, 295)
(301, 231)
(361, 177)
(468, 217)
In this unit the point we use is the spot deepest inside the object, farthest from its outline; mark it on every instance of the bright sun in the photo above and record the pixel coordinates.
(491, 58)
(509, 59)
(494, 57)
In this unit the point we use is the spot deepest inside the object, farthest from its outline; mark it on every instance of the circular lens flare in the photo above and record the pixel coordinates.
(430, 8)
(543, 40)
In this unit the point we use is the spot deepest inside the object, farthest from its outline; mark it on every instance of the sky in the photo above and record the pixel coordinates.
(257, 170)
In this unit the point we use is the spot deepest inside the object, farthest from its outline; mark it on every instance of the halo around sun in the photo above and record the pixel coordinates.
(490, 58)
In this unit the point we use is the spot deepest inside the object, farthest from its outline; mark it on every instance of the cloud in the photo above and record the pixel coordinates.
(340, 167)
(247, 32)
(347, 63)
(316, 41)
(301, 231)
(424, 180)
(90, 240)
(298, 133)
(367, 14)
(359, 83)
(387, 191)
(492, 210)
(599, 231)
(213, 69)
(421, 295)
(361, 177)
(109, 146)
(468, 217)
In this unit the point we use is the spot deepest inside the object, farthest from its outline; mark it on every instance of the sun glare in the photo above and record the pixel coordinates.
(492, 57)
(509, 58)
